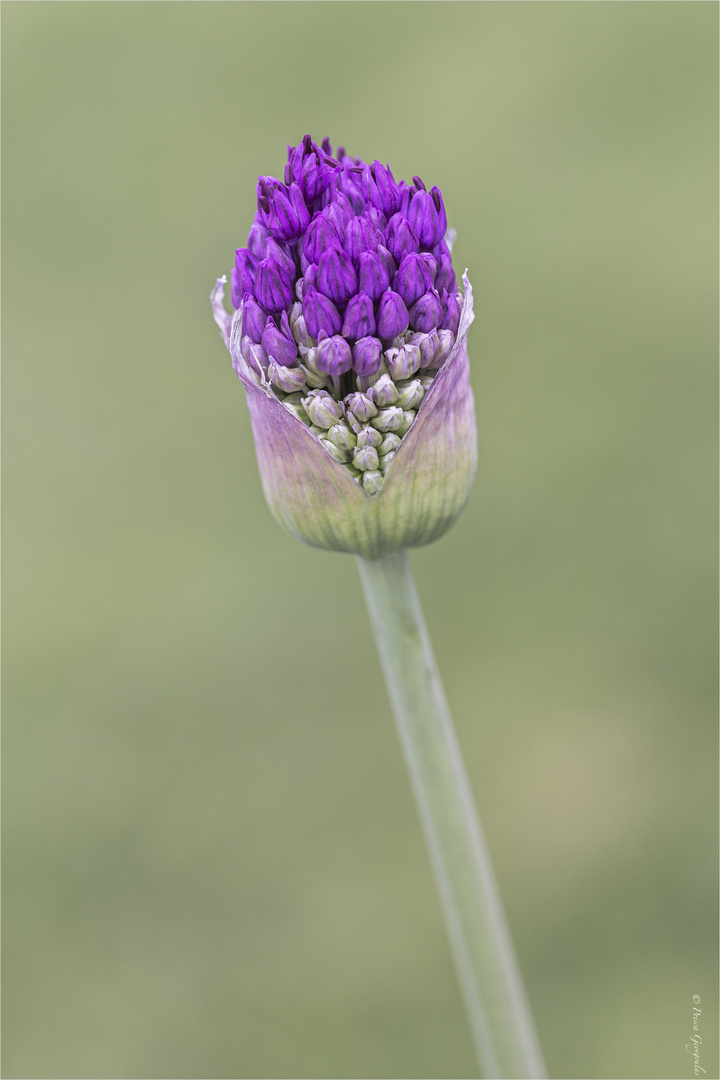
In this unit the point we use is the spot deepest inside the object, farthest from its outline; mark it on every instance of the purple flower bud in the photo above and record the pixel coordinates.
(400, 237)
(320, 313)
(236, 288)
(451, 313)
(288, 215)
(266, 185)
(253, 319)
(310, 279)
(373, 277)
(353, 195)
(320, 236)
(272, 288)
(388, 261)
(392, 316)
(445, 277)
(437, 198)
(284, 260)
(414, 277)
(359, 236)
(280, 344)
(376, 218)
(246, 268)
(254, 353)
(333, 355)
(338, 212)
(379, 188)
(257, 240)
(426, 313)
(423, 216)
(359, 321)
(336, 275)
(367, 354)
(307, 167)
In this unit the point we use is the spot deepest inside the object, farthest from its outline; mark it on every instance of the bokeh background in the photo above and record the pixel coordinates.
(213, 866)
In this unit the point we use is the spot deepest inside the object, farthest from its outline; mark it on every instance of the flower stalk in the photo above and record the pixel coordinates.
(497, 1008)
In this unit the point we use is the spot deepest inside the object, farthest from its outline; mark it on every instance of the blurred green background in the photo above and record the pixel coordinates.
(213, 866)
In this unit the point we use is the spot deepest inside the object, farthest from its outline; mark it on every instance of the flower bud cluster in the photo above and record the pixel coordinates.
(349, 301)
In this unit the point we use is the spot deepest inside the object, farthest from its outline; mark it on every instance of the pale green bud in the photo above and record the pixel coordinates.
(410, 394)
(314, 380)
(368, 436)
(426, 381)
(362, 406)
(352, 471)
(384, 392)
(335, 451)
(385, 461)
(322, 409)
(403, 362)
(373, 481)
(365, 457)
(352, 421)
(288, 379)
(342, 436)
(408, 417)
(389, 444)
(297, 326)
(390, 419)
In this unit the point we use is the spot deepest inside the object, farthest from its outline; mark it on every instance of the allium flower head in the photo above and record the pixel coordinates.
(349, 337)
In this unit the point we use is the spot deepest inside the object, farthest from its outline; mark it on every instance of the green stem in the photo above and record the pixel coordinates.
(498, 1011)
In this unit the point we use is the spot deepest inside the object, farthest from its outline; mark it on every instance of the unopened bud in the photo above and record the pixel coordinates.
(322, 409)
(403, 362)
(364, 382)
(372, 481)
(410, 394)
(426, 381)
(365, 457)
(342, 436)
(335, 451)
(314, 379)
(390, 419)
(368, 436)
(362, 406)
(288, 379)
(254, 355)
(390, 443)
(386, 461)
(298, 327)
(408, 417)
(384, 392)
